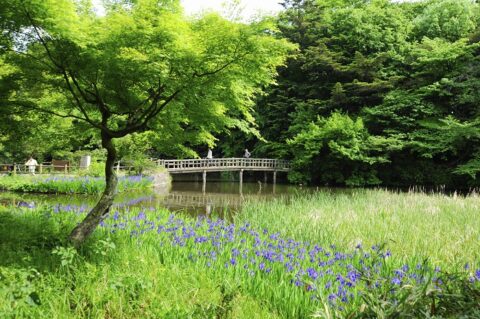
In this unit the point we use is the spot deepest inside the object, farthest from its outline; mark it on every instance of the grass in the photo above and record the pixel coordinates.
(274, 261)
(113, 276)
(69, 184)
(444, 229)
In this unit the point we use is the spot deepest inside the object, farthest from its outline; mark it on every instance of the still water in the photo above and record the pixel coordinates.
(220, 198)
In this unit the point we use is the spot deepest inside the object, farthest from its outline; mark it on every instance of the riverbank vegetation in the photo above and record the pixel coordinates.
(443, 229)
(70, 184)
(364, 254)
(263, 264)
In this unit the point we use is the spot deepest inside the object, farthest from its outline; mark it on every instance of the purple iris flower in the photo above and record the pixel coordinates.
(396, 281)
(312, 273)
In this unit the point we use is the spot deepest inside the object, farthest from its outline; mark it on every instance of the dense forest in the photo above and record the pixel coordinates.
(377, 93)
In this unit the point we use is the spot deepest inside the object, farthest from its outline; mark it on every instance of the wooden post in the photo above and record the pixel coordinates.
(204, 178)
(274, 180)
(40, 168)
(241, 181)
(66, 168)
(14, 169)
(118, 167)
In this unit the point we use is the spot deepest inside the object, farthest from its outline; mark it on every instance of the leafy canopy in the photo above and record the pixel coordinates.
(142, 66)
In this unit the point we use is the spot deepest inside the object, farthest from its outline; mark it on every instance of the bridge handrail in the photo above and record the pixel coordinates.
(232, 162)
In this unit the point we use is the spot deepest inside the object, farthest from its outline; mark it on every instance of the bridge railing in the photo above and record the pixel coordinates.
(225, 163)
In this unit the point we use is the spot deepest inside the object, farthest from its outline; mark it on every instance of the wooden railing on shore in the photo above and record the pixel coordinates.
(42, 168)
(224, 164)
(48, 168)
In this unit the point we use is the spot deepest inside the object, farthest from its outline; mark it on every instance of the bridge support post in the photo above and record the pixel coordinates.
(274, 180)
(241, 181)
(265, 178)
(204, 180)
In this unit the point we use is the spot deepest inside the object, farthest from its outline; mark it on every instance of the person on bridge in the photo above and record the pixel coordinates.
(209, 154)
(247, 154)
(31, 164)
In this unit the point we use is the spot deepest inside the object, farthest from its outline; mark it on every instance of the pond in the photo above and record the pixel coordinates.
(220, 198)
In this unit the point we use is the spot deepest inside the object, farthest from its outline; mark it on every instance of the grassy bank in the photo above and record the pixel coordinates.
(69, 184)
(273, 261)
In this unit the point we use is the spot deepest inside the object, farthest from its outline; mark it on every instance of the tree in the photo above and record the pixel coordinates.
(143, 66)
(407, 70)
(345, 148)
(447, 19)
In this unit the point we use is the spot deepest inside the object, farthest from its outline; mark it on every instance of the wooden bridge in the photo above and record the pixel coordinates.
(225, 165)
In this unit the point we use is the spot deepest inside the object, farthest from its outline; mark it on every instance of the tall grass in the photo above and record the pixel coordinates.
(444, 229)
(273, 261)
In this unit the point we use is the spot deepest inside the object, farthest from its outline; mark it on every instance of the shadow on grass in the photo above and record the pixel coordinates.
(27, 240)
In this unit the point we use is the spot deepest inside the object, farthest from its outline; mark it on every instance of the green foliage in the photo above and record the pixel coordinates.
(447, 19)
(18, 287)
(110, 276)
(368, 28)
(338, 140)
(471, 168)
(144, 68)
(394, 67)
(406, 70)
(67, 255)
(96, 169)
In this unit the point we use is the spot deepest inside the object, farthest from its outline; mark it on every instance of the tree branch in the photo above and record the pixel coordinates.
(42, 41)
(147, 117)
(40, 61)
(36, 108)
(221, 68)
(64, 72)
(79, 104)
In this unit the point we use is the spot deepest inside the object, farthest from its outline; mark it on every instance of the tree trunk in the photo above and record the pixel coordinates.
(88, 225)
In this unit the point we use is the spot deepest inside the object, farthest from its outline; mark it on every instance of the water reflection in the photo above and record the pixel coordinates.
(221, 199)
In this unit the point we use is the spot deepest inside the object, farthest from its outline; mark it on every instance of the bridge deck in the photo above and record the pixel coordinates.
(224, 164)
